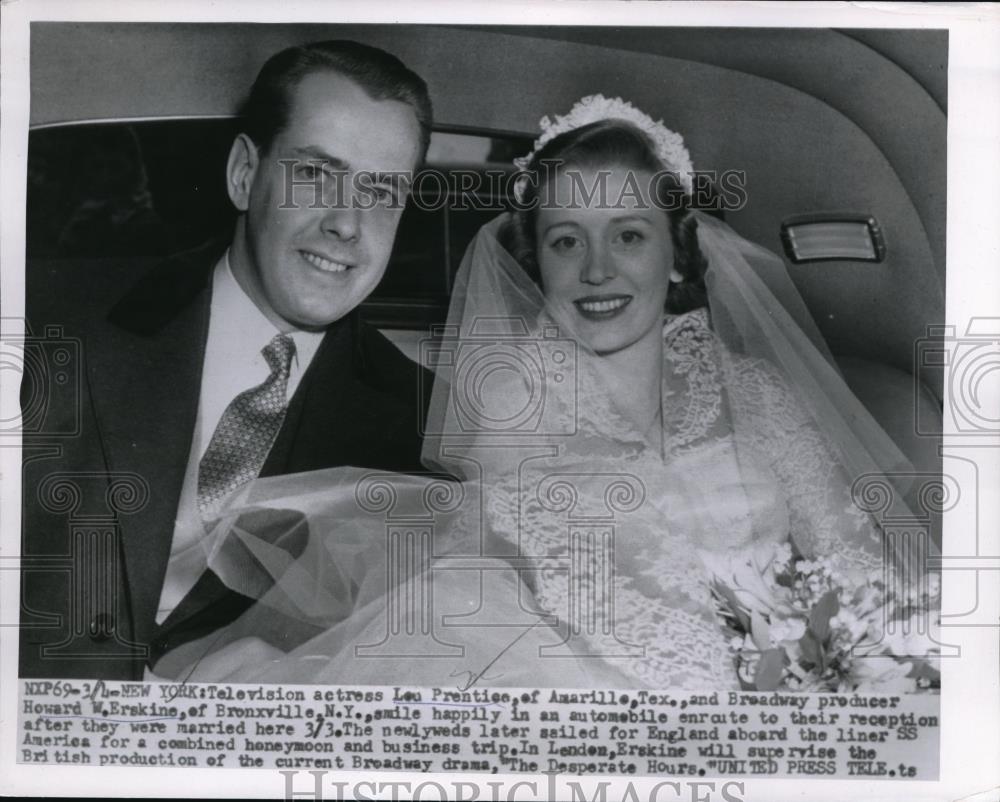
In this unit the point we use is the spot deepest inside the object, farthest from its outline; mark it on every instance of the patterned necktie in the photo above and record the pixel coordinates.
(246, 431)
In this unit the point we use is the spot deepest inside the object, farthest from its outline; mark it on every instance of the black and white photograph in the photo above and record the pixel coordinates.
(601, 396)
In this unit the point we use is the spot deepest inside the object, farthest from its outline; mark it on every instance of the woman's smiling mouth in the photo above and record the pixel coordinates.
(324, 264)
(602, 307)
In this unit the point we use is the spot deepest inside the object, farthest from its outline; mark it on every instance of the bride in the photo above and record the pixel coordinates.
(629, 395)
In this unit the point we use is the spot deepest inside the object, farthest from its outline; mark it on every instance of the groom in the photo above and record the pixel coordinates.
(223, 365)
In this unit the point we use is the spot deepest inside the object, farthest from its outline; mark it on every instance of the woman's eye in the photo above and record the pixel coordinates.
(566, 243)
(308, 171)
(630, 237)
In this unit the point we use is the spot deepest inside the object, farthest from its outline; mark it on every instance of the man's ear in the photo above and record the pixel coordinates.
(240, 170)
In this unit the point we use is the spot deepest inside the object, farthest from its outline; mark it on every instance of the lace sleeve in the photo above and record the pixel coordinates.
(824, 519)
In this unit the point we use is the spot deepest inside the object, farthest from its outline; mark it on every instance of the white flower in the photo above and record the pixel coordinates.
(783, 629)
(910, 638)
(866, 599)
(807, 567)
(749, 575)
(592, 108)
(783, 556)
(849, 623)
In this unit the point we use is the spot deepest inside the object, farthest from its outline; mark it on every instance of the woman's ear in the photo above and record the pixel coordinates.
(240, 170)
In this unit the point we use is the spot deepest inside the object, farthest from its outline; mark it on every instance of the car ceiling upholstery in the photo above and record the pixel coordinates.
(819, 120)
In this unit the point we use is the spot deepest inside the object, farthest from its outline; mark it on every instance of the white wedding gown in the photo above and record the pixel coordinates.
(578, 565)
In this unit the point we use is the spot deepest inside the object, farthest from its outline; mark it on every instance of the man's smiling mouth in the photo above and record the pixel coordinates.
(324, 264)
(600, 307)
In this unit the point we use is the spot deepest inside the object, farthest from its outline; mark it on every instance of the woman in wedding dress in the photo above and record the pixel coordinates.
(630, 394)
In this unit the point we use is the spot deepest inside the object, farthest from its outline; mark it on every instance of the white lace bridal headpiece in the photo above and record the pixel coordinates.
(593, 108)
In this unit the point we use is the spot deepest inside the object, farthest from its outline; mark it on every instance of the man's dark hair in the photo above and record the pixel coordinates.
(382, 76)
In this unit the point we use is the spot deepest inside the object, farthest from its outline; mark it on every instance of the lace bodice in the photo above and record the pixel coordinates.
(740, 465)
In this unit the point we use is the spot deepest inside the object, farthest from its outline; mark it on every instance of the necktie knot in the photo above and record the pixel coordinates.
(278, 353)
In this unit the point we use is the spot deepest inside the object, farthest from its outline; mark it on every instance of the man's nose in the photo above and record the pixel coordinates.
(597, 267)
(343, 221)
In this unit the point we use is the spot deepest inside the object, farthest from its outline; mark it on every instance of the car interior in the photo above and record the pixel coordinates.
(844, 130)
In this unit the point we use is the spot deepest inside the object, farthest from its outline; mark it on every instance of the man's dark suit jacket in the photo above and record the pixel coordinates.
(100, 503)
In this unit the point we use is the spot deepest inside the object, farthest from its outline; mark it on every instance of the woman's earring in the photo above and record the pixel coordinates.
(675, 276)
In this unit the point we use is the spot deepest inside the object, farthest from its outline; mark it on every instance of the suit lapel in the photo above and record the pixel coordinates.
(145, 376)
(337, 417)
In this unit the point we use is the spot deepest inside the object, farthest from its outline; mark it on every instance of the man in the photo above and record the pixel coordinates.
(224, 365)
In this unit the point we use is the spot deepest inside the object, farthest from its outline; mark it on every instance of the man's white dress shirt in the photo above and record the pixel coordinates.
(237, 332)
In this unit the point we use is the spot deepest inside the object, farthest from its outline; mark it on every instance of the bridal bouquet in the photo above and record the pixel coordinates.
(800, 625)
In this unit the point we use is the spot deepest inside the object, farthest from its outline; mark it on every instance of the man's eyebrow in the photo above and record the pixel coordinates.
(317, 154)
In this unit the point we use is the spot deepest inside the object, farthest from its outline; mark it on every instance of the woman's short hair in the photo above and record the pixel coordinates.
(382, 76)
(600, 145)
